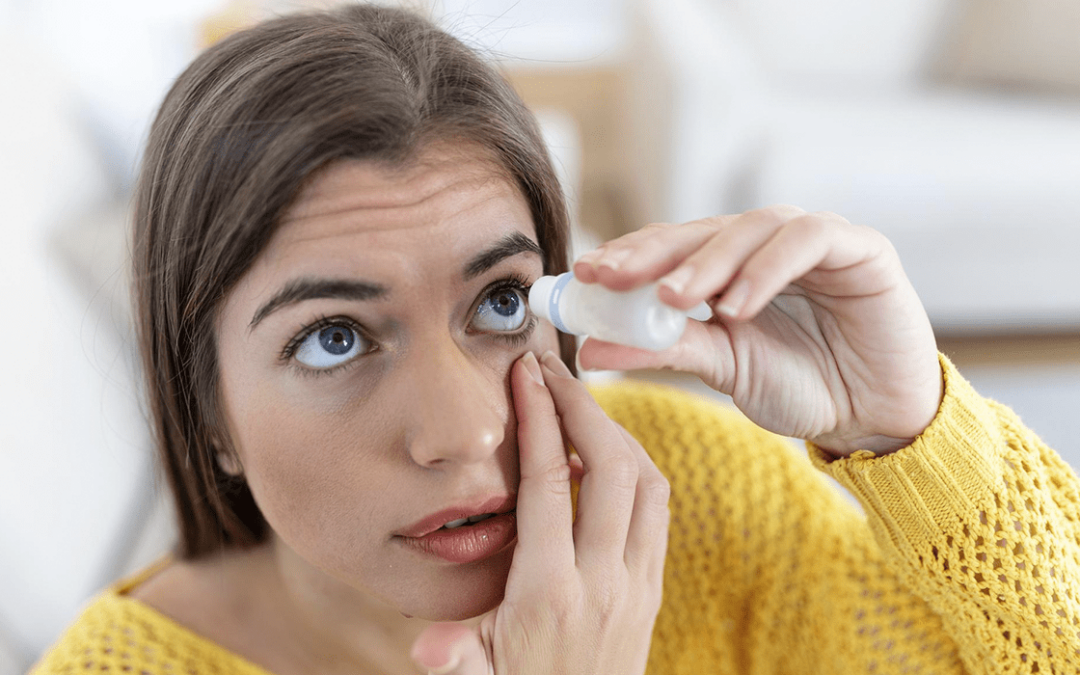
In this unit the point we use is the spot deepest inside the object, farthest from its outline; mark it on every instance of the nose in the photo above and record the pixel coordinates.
(457, 409)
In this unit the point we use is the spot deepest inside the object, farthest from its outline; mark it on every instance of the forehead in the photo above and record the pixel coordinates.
(407, 229)
(446, 193)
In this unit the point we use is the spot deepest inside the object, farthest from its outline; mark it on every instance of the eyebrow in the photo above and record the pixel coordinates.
(506, 247)
(318, 289)
(299, 290)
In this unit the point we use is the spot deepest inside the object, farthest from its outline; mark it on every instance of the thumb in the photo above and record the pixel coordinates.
(451, 649)
(694, 353)
(596, 354)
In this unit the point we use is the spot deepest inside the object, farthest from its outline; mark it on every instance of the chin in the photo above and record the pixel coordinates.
(464, 591)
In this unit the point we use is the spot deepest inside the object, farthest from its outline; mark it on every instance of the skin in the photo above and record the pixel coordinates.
(340, 461)
(817, 334)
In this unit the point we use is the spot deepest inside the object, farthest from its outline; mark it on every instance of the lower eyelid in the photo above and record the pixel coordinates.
(290, 349)
(522, 336)
(308, 371)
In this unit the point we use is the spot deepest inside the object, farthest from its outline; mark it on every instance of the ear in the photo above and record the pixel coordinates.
(226, 457)
(229, 463)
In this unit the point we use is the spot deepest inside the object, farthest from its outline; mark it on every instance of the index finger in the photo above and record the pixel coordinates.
(544, 509)
(606, 497)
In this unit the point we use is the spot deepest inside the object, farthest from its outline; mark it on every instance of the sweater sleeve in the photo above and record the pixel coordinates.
(769, 568)
(964, 560)
(981, 521)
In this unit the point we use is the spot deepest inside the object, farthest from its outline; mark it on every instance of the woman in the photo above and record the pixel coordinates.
(337, 221)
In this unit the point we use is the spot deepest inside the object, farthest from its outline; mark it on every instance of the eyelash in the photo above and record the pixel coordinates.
(514, 281)
(520, 283)
(317, 325)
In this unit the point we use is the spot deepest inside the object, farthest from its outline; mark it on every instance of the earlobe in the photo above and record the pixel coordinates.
(226, 459)
(228, 463)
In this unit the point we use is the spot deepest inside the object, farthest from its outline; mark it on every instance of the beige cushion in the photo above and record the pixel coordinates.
(1019, 44)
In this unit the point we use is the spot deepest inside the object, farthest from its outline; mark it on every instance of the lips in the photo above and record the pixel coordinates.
(475, 507)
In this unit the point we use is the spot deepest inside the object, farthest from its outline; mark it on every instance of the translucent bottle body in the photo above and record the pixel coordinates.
(635, 318)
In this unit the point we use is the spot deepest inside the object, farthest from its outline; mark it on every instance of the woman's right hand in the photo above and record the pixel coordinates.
(581, 597)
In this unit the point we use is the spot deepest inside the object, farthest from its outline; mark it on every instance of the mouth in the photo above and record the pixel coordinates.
(468, 542)
(467, 515)
(472, 520)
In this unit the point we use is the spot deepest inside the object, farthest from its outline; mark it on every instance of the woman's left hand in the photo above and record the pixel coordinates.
(817, 332)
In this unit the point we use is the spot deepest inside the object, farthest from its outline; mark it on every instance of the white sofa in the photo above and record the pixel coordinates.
(831, 106)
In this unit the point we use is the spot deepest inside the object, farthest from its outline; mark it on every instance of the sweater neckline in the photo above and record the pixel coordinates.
(119, 594)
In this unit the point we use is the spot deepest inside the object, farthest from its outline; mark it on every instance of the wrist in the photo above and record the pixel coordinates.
(878, 445)
(883, 444)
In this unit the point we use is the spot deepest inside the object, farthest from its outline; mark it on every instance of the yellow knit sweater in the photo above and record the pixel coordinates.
(966, 561)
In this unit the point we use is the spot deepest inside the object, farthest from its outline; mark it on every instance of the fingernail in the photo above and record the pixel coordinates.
(678, 279)
(533, 367)
(455, 659)
(613, 259)
(555, 364)
(735, 298)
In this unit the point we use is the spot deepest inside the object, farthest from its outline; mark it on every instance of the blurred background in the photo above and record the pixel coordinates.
(953, 126)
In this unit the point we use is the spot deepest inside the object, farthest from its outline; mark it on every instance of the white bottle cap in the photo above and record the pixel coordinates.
(544, 298)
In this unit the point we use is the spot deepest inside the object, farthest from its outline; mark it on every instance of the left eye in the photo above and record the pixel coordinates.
(503, 310)
(329, 346)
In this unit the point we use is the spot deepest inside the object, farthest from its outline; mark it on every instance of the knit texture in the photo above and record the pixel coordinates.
(966, 561)
(117, 634)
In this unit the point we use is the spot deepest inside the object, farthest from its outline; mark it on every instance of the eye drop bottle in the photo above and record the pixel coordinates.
(634, 318)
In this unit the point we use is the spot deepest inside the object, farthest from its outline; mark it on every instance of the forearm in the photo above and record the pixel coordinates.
(978, 517)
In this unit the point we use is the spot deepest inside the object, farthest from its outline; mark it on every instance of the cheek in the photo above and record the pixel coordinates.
(327, 459)
(548, 337)
(317, 479)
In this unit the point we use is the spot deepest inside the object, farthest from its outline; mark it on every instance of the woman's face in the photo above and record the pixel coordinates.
(365, 363)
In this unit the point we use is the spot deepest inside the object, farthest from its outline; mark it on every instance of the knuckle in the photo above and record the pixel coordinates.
(830, 217)
(889, 255)
(564, 606)
(656, 227)
(622, 471)
(811, 224)
(607, 594)
(623, 243)
(710, 228)
(655, 602)
(710, 224)
(657, 493)
(558, 472)
(652, 593)
(886, 243)
(554, 478)
(779, 212)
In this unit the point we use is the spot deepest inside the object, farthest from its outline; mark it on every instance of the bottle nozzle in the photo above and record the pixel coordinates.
(544, 298)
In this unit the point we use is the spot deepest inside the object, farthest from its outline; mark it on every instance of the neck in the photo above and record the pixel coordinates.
(332, 621)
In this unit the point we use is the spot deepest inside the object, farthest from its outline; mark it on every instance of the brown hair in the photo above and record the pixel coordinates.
(252, 119)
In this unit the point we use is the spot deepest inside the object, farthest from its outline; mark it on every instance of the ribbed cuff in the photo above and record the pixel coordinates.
(950, 469)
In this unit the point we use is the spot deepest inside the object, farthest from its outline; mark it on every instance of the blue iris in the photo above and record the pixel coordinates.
(503, 310)
(329, 346)
(336, 340)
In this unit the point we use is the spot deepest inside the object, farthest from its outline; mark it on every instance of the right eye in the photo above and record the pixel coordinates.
(329, 346)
